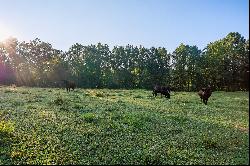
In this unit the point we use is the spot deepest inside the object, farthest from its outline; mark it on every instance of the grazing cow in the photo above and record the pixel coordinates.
(163, 90)
(69, 84)
(204, 94)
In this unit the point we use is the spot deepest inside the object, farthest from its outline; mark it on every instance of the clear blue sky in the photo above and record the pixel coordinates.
(158, 23)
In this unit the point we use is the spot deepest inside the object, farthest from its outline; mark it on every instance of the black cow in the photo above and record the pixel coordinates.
(205, 93)
(163, 90)
(69, 84)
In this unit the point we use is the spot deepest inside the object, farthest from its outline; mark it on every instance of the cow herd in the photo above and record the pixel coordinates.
(204, 93)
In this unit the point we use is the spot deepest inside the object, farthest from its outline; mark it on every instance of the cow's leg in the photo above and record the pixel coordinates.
(166, 95)
(204, 101)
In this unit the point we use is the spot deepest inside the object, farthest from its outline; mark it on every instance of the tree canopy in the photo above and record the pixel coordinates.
(223, 64)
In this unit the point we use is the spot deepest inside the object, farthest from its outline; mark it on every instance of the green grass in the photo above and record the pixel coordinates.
(89, 126)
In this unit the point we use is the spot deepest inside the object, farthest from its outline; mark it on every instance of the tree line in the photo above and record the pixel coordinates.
(223, 64)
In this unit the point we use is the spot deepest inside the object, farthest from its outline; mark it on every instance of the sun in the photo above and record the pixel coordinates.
(4, 32)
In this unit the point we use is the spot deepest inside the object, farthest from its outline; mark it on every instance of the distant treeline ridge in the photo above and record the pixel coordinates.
(223, 64)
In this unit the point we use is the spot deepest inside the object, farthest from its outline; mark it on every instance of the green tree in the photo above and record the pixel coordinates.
(35, 61)
(180, 75)
(226, 59)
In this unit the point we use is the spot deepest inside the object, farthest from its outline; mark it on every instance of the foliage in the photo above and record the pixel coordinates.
(224, 64)
(227, 63)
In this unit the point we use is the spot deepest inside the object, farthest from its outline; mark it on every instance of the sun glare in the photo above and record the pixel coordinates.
(4, 33)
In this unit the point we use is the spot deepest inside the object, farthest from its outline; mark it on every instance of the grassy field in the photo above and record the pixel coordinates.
(102, 126)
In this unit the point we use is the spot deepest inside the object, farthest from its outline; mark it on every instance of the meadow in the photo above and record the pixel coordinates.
(103, 126)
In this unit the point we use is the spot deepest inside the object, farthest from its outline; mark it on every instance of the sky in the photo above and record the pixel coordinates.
(150, 23)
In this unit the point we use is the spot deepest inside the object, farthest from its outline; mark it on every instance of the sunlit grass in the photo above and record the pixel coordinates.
(103, 126)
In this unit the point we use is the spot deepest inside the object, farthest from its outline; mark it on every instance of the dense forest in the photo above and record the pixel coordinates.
(224, 64)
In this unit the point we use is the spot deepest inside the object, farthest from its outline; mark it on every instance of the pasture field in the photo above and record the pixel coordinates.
(102, 126)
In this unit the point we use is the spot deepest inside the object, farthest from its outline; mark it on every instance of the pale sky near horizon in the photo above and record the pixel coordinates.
(150, 23)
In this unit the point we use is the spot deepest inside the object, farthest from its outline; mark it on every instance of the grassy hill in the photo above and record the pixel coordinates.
(102, 126)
